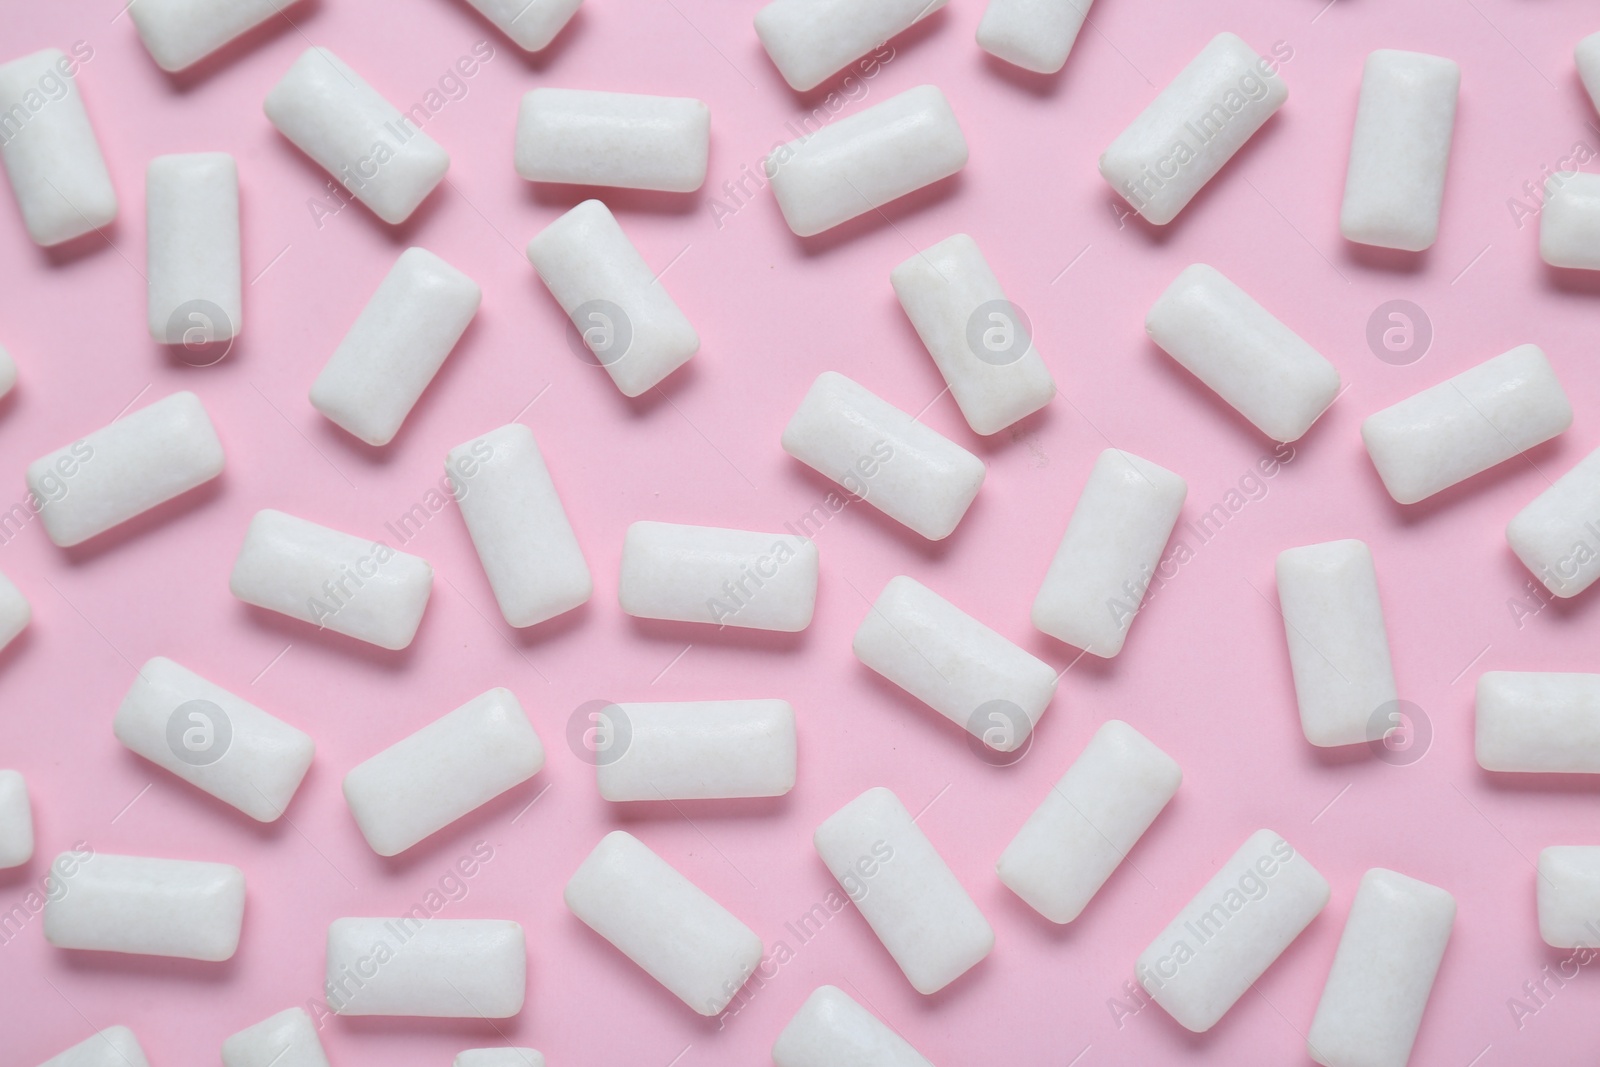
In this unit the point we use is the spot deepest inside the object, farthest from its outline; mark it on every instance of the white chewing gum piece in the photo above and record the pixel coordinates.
(1537, 722)
(115, 1046)
(1569, 896)
(1557, 536)
(453, 766)
(699, 750)
(904, 889)
(180, 33)
(1569, 221)
(761, 581)
(191, 205)
(665, 923)
(811, 40)
(49, 149)
(15, 613)
(832, 1030)
(531, 24)
(141, 460)
(427, 967)
(499, 1057)
(149, 907)
(619, 140)
(16, 820)
(287, 1039)
(1035, 35)
(1463, 426)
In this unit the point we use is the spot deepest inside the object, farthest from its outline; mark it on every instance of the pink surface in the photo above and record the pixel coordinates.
(1204, 674)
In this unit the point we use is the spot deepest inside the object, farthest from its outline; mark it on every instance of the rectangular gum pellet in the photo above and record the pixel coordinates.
(192, 237)
(332, 580)
(1338, 645)
(49, 148)
(1088, 822)
(1569, 222)
(213, 740)
(810, 40)
(427, 967)
(16, 820)
(115, 1046)
(865, 161)
(122, 470)
(881, 455)
(1587, 55)
(1400, 150)
(1232, 931)
(980, 341)
(1383, 971)
(763, 581)
(904, 889)
(831, 1029)
(622, 140)
(1035, 35)
(454, 765)
(518, 526)
(1263, 369)
(8, 372)
(615, 301)
(396, 345)
(955, 664)
(287, 1039)
(665, 923)
(15, 614)
(348, 129)
(531, 24)
(1193, 127)
(499, 1057)
(700, 750)
(149, 907)
(1569, 896)
(180, 33)
(1112, 546)
(1557, 536)
(1538, 722)
(1478, 419)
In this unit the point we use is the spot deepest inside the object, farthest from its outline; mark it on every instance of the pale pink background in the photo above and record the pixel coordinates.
(1204, 674)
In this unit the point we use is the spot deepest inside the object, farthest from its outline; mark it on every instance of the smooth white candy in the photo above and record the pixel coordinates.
(531, 24)
(1382, 972)
(16, 820)
(1113, 544)
(1234, 345)
(191, 204)
(213, 740)
(1089, 821)
(122, 470)
(1035, 35)
(499, 1057)
(348, 129)
(518, 526)
(763, 581)
(115, 1046)
(8, 372)
(699, 750)
(1193, 127)
(1461, 427)
(287, 1039)
(15, 614)
(1569, 896)
(362, 589)
(1400, 150)
(1587, 55)
(955, 664)
(665, 923)
(1569, 221)
(865, 161)
(1338, 645)
(904, 889)
(396, 345)
(1557, 536)
(832, 1030)
(49, 149)
(1539, 723)
(429, 968)
(454, 765)
(878, 453)
(810, 40)
(623, 140)
(980, 341)
(615, 301)
(180, 33)
(1232, 931)
(149, 907)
